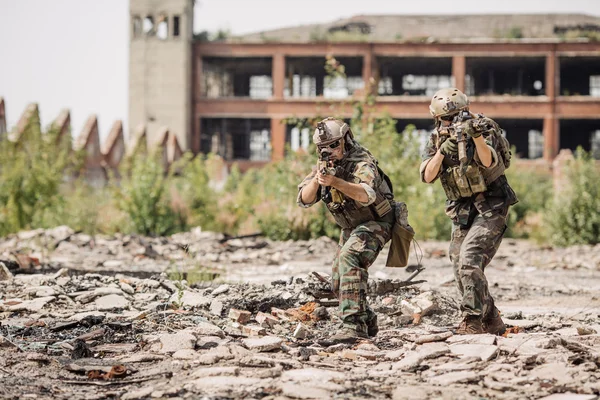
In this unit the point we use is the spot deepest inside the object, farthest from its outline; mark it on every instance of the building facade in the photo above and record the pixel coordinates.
(545, 92)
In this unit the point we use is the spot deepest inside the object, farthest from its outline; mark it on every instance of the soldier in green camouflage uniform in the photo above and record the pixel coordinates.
(479, 197)
(358, 195)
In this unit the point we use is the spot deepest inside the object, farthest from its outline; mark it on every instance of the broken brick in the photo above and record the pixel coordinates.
(241, 316)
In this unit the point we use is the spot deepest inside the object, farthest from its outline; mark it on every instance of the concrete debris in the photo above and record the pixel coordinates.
(112, 306)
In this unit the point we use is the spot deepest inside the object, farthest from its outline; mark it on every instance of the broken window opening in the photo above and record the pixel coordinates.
(307, 77)
(162, 28)
(536, 144)
(176, 27)
(576, 133)
(578, 75)
(235, 77)
(595, 85)
(260, 145)
(515, 76)
(299, 138)
(413, 76)
(340, 88)
(595, 144)
(148, 26)
(422, 85)
(136, 26)
(301, 86)
(525, 135)
(261, 87)
(236, 138)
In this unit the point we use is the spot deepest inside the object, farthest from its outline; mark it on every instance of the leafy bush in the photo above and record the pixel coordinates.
(573, 216)
(193, 196)
(144, 194)
(534, 189)
(31, 174)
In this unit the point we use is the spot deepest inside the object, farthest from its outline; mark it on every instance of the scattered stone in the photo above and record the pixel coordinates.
(190, 299)
(126, 288)
(521, 323)
(570, 396)
(455, 377)
(111, 302)
(216, 308)
(300, 332)
(253, 330)
(239, 316)
(185, 354)
(220, 290)
(436, 337)
(584, 330)
(170, 343)
(5, 274)
(485, 351)
(266, 320)
(216, 371)
(267, 343)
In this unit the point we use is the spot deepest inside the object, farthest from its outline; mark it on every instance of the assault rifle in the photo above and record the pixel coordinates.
(456, 131)
(325, 167)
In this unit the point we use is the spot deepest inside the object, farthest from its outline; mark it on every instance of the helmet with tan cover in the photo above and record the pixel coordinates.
(448, 101)
(329, 130)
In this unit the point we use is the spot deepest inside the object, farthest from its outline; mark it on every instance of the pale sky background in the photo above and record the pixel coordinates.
(74, 53)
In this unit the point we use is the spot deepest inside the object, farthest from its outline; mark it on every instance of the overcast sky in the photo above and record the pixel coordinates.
(74, 53)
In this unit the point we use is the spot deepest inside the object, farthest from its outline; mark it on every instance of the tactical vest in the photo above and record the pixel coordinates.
(349, 213)
(475, 179)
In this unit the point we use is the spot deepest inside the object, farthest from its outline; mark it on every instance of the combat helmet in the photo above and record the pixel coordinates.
(329, 130)
(448, 101)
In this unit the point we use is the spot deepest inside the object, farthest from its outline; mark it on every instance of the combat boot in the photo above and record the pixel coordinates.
(494, 324)
(471, 325)
(372, 328)
(347, 335)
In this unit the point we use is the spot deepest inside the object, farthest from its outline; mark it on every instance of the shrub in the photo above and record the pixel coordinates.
(31, 174)
(144, 194)
(533, 189)
(573, 217)
(193, 196)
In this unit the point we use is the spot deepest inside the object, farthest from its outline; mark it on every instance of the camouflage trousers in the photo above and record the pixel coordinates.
(357, 250)
(471, 249)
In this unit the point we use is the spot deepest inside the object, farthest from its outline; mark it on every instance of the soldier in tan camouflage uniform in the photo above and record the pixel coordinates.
(478, 199)
(359, 196)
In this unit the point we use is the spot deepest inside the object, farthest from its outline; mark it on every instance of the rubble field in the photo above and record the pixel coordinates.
(200, 315)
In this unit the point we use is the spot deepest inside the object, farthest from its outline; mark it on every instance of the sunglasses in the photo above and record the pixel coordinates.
(447, 117)
(333, 145)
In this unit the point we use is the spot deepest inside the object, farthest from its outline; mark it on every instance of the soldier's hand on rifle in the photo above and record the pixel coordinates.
(326, 180)
(469, 130)
(449, 147)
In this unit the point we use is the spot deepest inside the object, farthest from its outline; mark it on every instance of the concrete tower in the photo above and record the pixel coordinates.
(160, 63)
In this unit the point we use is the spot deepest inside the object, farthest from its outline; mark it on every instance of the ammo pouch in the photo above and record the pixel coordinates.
(457, 185)
(402, 236)
(350, 214)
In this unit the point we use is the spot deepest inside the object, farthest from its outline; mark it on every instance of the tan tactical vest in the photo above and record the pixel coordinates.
(474, 179)
(349, 213)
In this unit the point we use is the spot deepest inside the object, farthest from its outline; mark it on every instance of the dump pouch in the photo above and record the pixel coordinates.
(402, 236)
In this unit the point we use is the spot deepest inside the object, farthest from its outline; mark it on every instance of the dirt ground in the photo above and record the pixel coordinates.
(92, 318)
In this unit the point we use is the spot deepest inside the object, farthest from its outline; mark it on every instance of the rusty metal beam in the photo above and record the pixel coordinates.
(492, 49)
(397, 106)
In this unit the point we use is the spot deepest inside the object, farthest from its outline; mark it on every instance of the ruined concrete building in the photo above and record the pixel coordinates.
(537, 75)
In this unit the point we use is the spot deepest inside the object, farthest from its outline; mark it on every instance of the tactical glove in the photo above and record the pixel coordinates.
(470, 130)
(449, 147)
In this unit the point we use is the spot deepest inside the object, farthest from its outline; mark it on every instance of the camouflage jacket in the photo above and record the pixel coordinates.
(498, 196)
